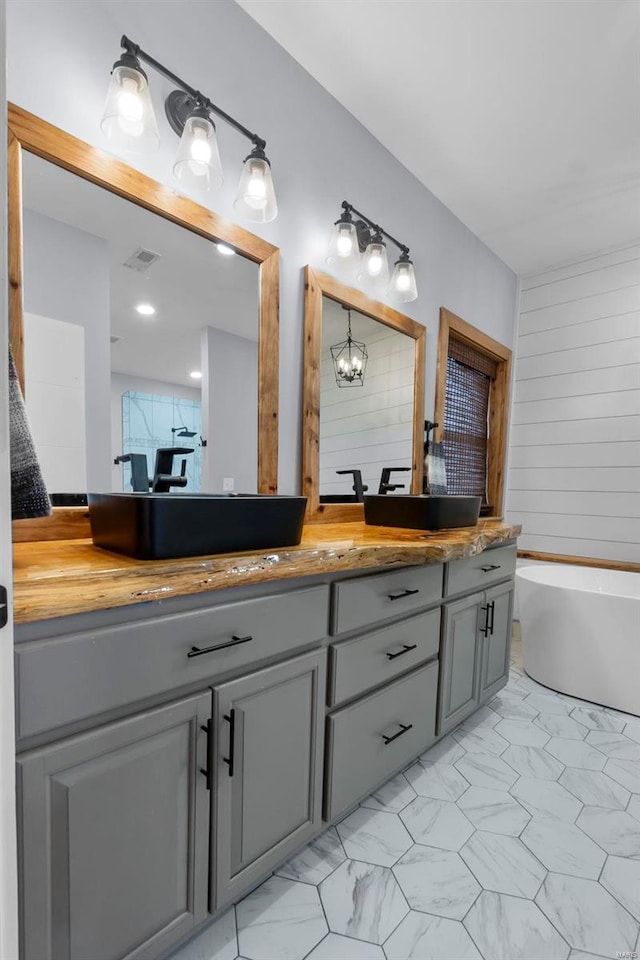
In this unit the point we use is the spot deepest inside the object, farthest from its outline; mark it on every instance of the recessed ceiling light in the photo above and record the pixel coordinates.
(145, 309)
(196, 374)
(225, 250)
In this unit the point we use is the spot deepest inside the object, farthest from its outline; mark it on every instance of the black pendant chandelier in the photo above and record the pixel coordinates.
(349, 359)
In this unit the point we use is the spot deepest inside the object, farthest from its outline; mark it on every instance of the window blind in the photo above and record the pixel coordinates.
(465, 433)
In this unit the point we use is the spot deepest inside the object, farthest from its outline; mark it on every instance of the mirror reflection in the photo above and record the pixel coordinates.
(366, 406)
(140, 336)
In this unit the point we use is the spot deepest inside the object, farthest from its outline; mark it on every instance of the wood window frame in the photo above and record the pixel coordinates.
(499, 397)
(29, 132)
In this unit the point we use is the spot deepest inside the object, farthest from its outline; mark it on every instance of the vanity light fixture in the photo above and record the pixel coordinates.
(349, 359)
(129, 123)
(145, 309)
(225, 250)
(358, 246)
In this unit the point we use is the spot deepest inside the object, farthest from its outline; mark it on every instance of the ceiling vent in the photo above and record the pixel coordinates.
(141, 260)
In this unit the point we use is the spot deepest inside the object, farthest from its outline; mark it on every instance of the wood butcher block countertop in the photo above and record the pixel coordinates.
(60, 577)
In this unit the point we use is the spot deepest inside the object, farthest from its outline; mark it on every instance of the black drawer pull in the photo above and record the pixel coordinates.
(207, 773)
(485, 629)
(401, 653)
(403, 729)
(404, 593)
(492, 605)
(198, 651)
(231, 720)
(492, 566)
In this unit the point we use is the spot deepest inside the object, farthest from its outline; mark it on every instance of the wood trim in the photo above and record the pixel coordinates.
(499, 396)
(14, 213)
(28, 132)
(317, 285)
(627, 565)
(65, 523)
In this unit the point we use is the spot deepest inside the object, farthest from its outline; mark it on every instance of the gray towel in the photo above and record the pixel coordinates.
(29, 497)
(436, 471)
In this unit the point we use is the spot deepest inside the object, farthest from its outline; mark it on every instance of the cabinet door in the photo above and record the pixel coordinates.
(497, 644)
(113, 862)
(269, 733)
(460, 660)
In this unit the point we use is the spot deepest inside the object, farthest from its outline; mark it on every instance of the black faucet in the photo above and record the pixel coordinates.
(358, 487)
(140, 482)
(163, 478)
(385, 486)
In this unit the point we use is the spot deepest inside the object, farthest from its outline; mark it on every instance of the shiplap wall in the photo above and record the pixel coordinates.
(368, 427)
(574, 461)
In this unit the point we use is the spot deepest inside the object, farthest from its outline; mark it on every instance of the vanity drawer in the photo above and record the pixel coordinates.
(473, 573)
(371, 739)
(71, 678)
(366, 600)
(369, 661)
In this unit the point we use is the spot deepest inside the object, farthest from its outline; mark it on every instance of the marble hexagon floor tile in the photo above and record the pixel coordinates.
(446, 750)
(597, 719)
(486, 770)
(522, 733)
(621, 877)
(421, 936)
(546, 798)
(436, 881)
(495, 811)
(624, 772)
(513, 709)
(280, 920)
(548, 705)
(588, 917)
(441, 781)
(374, 836)
(576, 753)
(392, 797)
(594, 788)
(533, 762)
(481, 740)
(436, 823)
(503, 864)
(616, 831)
(633, 807)
(363, 901)
(615, 745)
(335, 947)
(509, 928)
(561, 726)
(564, 848)
(318, 859)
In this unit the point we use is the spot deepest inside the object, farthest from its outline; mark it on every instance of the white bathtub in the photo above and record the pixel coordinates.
(581, 632)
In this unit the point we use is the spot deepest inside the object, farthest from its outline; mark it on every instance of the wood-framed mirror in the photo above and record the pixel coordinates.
(365, 422)
(56, 162)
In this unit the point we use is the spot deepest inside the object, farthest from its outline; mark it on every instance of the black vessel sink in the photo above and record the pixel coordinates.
(422, 512)
(160, 526)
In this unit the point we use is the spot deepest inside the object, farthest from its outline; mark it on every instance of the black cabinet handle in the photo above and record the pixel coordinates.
(491, 566)
(401, 653)
(492, 611)
(198, 651)
(403, 593)
(404, 727)
(207, 773)
(485, 629)
(231, 720)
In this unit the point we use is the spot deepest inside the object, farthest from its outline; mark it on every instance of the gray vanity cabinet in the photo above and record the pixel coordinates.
(268, 771)
(475, 652)
(111, 864)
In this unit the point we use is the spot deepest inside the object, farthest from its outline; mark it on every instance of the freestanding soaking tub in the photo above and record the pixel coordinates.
(581, 632)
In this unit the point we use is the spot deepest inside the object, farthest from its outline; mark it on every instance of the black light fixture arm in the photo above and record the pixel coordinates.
(349, 208)
(135, 50)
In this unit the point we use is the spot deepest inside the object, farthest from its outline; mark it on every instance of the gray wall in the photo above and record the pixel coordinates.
(66, 277)
(60, 55)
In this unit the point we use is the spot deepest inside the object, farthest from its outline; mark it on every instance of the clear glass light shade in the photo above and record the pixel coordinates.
(197, 163)
(344, 252)
(256, 198)
(375, 265)
(402, 286)
(128, 120)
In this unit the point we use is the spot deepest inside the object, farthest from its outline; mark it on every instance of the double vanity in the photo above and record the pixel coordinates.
(185, 726)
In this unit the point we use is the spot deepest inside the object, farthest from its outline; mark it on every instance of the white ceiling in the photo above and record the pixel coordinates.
(191, 286)
(520, 115)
